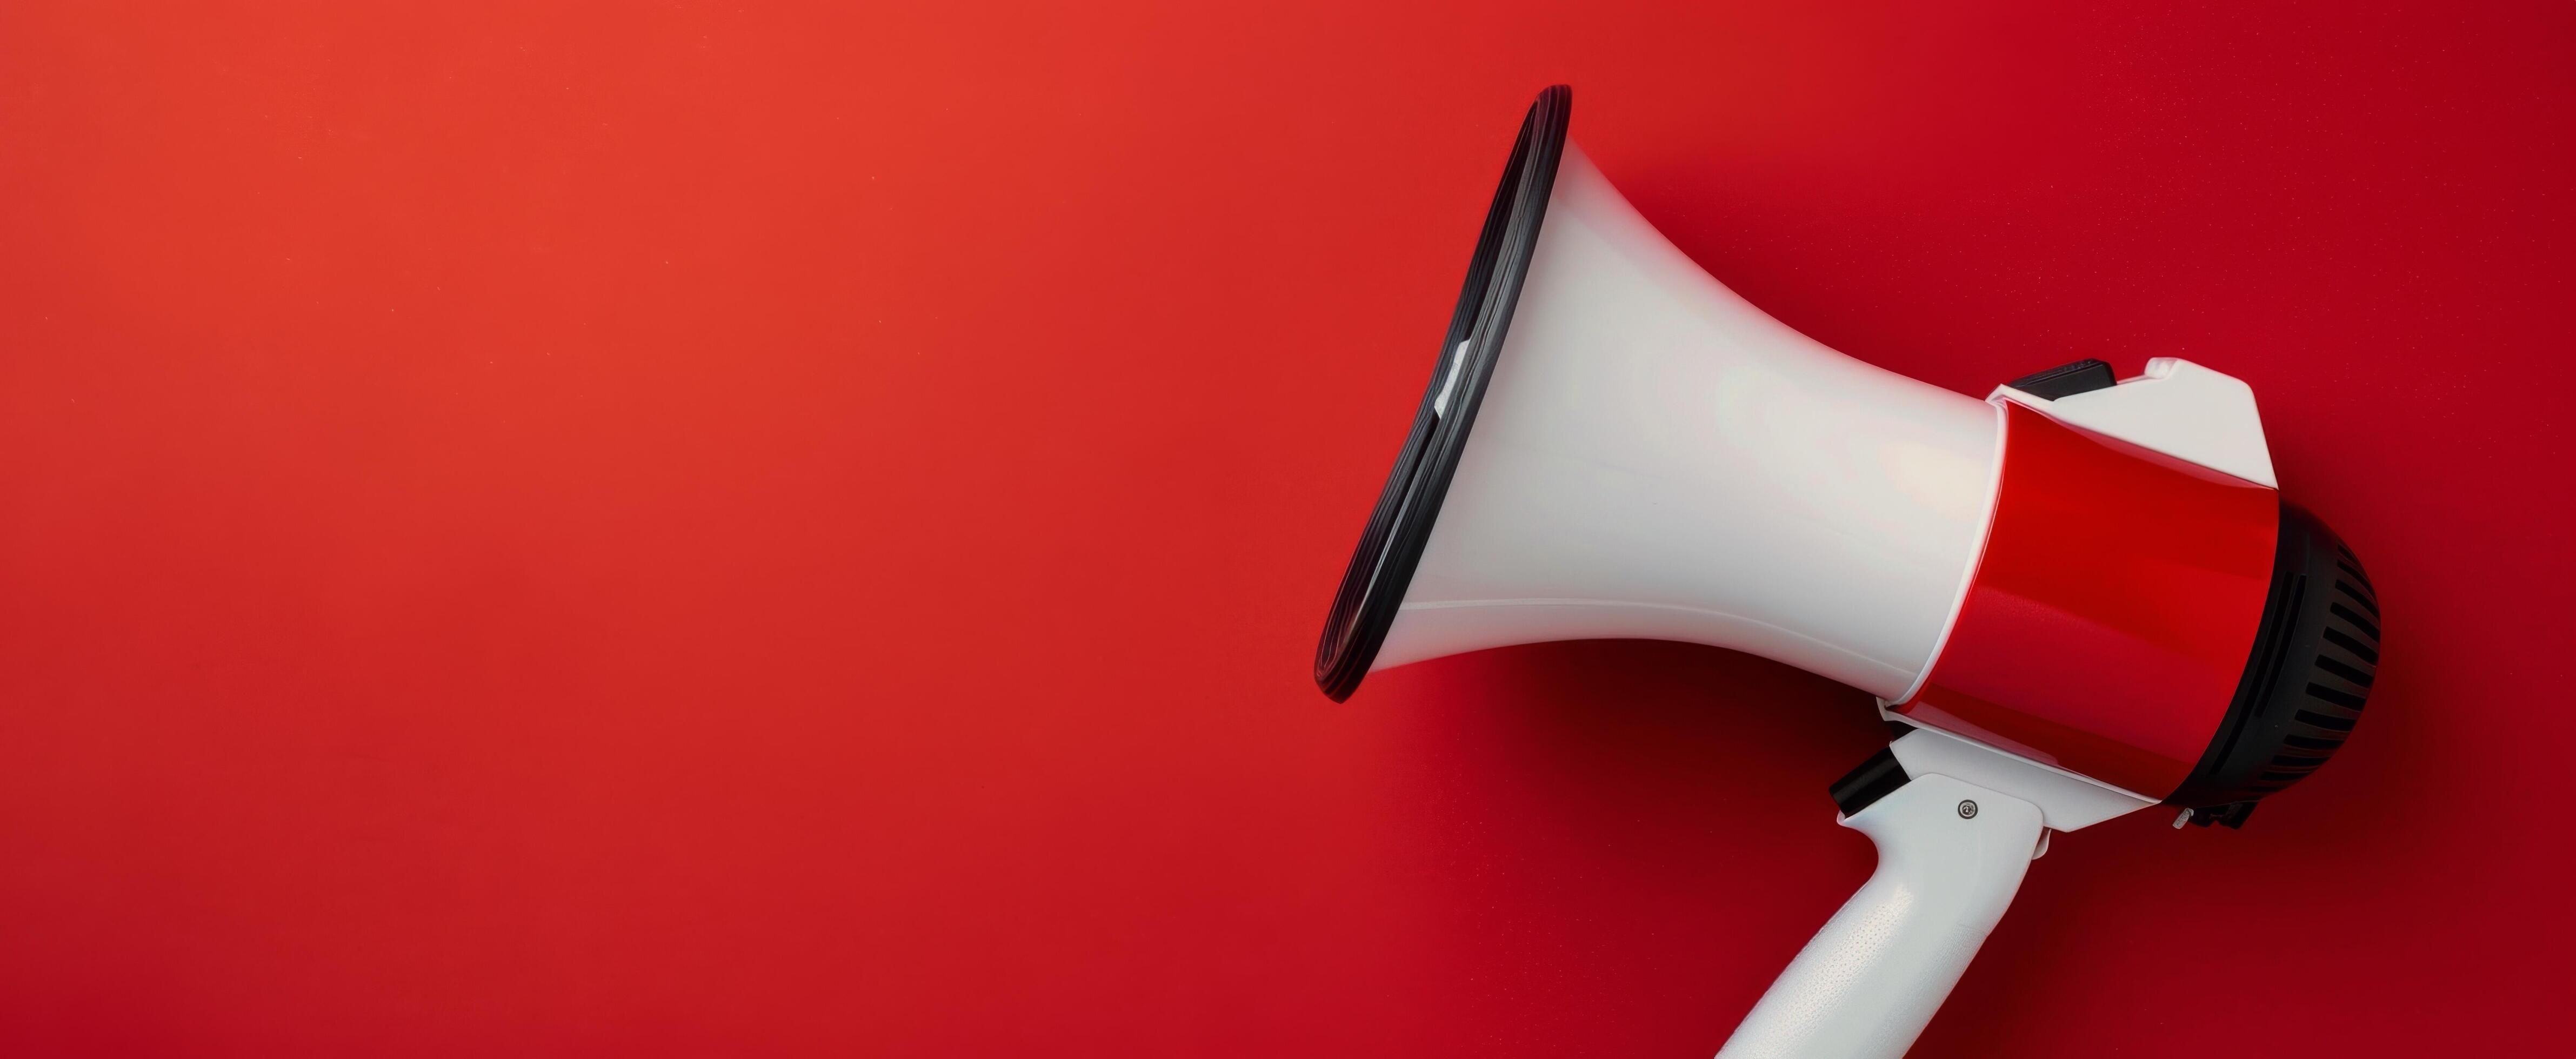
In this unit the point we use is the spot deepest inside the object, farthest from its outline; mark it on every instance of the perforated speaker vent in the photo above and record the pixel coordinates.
(2306, 682)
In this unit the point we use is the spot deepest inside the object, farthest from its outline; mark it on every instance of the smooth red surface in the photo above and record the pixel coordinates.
(627, 529)
(2110, 616)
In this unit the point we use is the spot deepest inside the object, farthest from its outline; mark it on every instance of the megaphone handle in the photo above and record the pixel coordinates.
(1950, 856)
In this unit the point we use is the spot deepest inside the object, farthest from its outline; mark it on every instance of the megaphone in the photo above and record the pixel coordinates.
(2078, 598)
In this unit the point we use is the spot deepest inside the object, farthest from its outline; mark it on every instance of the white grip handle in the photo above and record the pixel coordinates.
(1950, 856)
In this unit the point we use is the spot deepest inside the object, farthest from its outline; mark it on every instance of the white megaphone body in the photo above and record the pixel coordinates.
(2080, 597)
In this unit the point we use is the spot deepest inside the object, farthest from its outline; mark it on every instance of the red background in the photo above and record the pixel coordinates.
(704, 528)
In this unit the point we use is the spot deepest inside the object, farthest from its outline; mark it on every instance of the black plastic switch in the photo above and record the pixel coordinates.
(2066, 380)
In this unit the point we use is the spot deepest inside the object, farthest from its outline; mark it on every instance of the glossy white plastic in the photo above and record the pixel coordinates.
(2066, 800)
(1872, 978)
(1951, 854)
(2177, 408)
(1656, 458)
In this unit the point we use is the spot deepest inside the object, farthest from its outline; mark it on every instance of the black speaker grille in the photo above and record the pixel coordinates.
(2306, 682)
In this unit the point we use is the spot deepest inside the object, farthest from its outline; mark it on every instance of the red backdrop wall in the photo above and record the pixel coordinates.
(703, 528)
